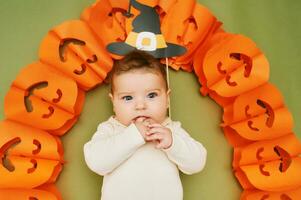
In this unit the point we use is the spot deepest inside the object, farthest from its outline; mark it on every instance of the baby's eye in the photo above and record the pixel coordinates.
(152, 95)
(127, 98)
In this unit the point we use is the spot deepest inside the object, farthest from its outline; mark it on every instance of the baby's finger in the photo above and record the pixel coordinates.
(155, 125)
(157, 130)
(154, 136)
(139, 119)
(159, 146)
(150, 121)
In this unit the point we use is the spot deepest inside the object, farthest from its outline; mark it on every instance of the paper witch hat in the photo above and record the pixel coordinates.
(146, 35)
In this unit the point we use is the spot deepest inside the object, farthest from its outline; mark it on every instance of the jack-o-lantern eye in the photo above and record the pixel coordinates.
(263, 171)
(93, 59)
(219, 68)
(38, 145)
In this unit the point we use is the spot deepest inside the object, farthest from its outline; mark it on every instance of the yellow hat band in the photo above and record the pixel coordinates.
(146, 41)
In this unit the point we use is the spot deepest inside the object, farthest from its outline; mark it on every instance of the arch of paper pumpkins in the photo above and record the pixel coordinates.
(47, 96)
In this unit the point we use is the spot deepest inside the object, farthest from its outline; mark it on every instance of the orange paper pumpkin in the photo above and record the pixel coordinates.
(44, 98)
(106, 19)
(28, 194)
(234, 66)
(282, 148)
(264, 99)
(31, 156)
(265, 195)
(188, 24)
(269, 176)
(262, 127)
(73, 49)
(201, 51)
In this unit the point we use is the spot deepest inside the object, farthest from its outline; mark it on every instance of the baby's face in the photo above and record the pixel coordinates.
(139, 94)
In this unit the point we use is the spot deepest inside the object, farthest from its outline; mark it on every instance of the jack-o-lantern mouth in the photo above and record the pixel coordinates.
(285, 158)
(64, 43)
(4, 153)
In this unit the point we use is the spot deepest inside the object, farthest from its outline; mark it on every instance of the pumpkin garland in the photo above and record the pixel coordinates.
(47, 97)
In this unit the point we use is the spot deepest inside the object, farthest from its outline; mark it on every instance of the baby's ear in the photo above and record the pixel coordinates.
(168, 92)
(111, 96)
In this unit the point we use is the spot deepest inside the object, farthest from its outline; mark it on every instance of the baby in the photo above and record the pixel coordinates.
(139, 150)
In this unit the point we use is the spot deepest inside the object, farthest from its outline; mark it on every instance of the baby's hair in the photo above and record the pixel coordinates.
(137, 60)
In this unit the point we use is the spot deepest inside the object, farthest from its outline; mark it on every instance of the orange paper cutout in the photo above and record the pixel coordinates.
(33, 142)
(30, 155)
(31, 172)
(189, 24)
(234, 66)
(262, 127)
(268, 150)
(44, 98)
(73, 49)
(265, 195)
(251, 104)
(106, 20)
(268, 176)
(28, 194)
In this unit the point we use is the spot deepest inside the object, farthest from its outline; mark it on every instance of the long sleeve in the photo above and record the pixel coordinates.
(188, 154)
(108, 149)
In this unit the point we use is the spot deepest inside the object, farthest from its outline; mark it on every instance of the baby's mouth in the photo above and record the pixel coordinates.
(140, 116)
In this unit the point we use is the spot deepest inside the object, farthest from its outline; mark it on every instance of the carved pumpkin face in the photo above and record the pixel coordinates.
(30, 154)
(264, 99)
(264, 195)
(282, 148)
(269, 176)
(28, 194)
(194, 24)
(256, 115)
(269, 165)
(235, 66)
(72, 48)
(44, 99)
(107, 20)
(265, 126)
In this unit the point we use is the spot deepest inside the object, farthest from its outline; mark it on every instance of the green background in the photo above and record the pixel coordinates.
(275, 26)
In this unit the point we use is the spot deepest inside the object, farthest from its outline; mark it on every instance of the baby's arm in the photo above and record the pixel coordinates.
(107, 150)
(187, 153)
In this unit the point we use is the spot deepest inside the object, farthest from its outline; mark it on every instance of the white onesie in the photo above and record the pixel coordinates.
(136, 170)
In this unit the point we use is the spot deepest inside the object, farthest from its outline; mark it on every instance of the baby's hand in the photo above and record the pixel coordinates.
(142, 125)
(161, 134)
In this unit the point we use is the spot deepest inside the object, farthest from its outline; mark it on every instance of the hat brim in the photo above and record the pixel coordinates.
(121, 48)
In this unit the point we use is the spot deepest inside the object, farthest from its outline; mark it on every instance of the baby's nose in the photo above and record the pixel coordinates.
(140, 105)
